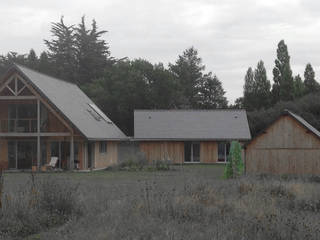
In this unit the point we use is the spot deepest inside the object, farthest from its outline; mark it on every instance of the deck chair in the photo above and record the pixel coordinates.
(53, 163)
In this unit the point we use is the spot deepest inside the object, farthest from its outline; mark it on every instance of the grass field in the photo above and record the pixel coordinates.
(188, 202)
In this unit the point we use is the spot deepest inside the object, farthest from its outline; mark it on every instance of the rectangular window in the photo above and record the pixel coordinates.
(223, 151)
(103, 147)
(192, 152)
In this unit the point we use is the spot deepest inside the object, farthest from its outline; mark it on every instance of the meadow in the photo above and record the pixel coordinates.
(185, 202)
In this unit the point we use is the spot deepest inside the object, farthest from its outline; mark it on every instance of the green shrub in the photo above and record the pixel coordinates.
(235, 166)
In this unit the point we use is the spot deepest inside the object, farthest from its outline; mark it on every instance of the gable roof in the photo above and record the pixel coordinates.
(74, 105)
(220, 124)
(303, 122)
(296, 117)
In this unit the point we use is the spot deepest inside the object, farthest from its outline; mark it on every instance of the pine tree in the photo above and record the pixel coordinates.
(92, 52)
(283, 87)
(248, 90)
(32, 60)
(62, 51)
(211, 93)
(44, 63)
(188, 71)
(299, 88)
(310, 82)
(262, 87)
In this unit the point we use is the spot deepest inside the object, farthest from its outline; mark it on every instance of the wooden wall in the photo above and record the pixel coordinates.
(103, 160)
(174, 151)
(285, 148)
(208, 152)
(3, 154)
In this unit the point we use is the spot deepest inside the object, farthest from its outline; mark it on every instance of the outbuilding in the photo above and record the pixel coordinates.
(290, 145)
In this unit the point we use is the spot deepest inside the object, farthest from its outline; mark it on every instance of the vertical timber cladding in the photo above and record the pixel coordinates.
(3, 154)
(286, 147)
(208, 152)
(174, 151)
(109, 158)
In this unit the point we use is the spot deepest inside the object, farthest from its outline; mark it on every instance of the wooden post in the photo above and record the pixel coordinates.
(71, 164)
(38, 135)
(85, 151)
(60, 155)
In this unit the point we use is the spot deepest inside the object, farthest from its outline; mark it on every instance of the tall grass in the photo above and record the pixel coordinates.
(160, 208)
(37, 205)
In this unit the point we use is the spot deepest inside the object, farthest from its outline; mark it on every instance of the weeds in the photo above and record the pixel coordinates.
(163, 205)
(39, 204)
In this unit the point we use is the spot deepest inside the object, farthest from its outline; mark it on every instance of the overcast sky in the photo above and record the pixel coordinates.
(231, 35)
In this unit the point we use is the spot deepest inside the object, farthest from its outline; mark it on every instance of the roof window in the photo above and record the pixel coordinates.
(97, 113)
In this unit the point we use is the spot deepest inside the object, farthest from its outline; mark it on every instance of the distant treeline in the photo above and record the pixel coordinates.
(79, 54)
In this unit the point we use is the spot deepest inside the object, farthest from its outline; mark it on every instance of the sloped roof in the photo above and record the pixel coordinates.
(217, 124)
(73, 104)
(307, 125)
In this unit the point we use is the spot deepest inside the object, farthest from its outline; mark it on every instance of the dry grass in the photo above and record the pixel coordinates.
(186, 203)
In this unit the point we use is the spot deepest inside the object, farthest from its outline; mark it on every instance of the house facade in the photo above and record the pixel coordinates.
(42, 117)
(289, 145)
(189, 136)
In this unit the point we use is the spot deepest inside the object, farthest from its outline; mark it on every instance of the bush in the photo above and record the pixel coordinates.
(235, 166)
(134, 162)
(138, 162)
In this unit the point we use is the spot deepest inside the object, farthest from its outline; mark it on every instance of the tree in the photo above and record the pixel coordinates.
(248, 90)
(310, 82)
(44, 63)
(211, 93)
(256, 90)
(299, 87)
(122, 89)
(262, 87)
(235, 165)
(283, 87)
(162, 81)
(62, 51)
(92, 52)
(32, 60)
(188, 71)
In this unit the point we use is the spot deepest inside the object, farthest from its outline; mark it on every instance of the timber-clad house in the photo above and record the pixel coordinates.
(43, 117)
(189, 136)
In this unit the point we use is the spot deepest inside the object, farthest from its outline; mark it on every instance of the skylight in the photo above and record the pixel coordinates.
(97, 113)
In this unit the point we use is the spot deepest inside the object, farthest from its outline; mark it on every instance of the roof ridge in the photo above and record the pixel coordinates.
(187, 110)
(41, 73)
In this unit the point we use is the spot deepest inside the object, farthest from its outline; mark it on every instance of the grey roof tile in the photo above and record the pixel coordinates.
(73, 103)
(220, 124)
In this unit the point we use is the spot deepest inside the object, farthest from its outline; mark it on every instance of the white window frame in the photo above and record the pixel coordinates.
(225, 152)
(191, 153)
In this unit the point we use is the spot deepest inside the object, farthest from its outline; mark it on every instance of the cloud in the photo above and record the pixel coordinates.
(231, 35)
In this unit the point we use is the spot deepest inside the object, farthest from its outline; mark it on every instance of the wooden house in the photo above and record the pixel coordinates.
(43, 117)
(290, 145)
(189, 136)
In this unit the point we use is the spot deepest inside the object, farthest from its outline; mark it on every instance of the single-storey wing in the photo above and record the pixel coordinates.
(189, 136)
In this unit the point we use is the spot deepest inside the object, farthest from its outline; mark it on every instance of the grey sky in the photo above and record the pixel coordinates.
(231, 35)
